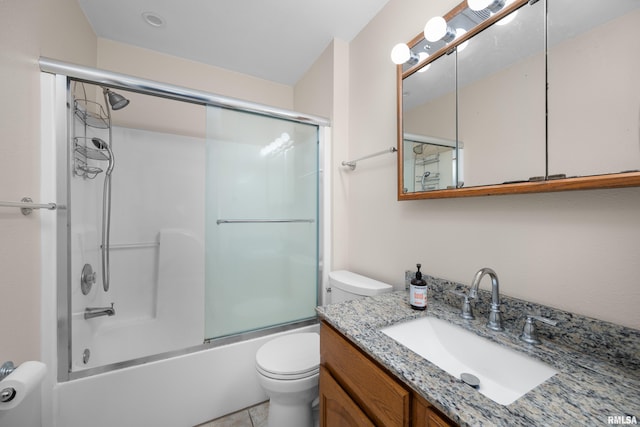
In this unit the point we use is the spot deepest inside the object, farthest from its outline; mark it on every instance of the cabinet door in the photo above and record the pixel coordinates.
(382, 398)
(336, 407)
(423, 415)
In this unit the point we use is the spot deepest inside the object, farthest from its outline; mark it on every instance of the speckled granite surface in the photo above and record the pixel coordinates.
(597, 362)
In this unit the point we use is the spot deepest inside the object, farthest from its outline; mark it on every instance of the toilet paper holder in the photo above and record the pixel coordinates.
(18, 382)
(6, 369)
(7, 394)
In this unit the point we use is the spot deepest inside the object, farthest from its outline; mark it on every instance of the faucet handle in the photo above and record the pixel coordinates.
(529, 332)
(466, 311)
(543, 319)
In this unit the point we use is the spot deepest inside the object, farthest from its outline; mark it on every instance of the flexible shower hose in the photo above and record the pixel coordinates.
(106, 228)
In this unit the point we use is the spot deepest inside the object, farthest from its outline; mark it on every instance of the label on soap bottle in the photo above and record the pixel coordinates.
(418, 297)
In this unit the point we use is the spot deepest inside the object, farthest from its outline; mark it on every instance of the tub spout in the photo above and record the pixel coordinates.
(91, 312)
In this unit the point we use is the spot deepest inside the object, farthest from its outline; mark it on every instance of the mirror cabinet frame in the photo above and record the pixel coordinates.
(549, 184)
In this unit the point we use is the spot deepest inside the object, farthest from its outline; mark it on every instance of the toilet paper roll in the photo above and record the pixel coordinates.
(25, 379)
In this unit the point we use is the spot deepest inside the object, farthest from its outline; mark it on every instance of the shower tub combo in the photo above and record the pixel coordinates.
(188, 237)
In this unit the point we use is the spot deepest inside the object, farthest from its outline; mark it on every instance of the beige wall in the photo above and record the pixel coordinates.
(573, 250)
(28, 29)
(324, 91)
(127, 59)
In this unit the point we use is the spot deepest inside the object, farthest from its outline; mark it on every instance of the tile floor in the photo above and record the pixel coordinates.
(255, 416)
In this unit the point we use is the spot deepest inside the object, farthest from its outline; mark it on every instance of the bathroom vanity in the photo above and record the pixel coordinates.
(367, 378)
(355, 390)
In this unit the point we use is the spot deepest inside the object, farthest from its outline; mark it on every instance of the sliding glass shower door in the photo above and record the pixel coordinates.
(261, 222)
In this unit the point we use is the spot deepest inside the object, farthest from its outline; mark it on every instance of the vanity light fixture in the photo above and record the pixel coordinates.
(401, 54)
(493, 5)
(437, 29)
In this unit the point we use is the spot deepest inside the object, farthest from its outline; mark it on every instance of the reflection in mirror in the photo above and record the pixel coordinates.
(594, 89)
(429, 109)
(501, 100)
(548, 102)
(429, 163)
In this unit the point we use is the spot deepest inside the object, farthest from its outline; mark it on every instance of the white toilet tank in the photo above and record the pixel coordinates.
(346, 285)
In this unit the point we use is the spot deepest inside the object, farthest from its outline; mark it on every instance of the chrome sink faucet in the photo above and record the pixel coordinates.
(495, 315)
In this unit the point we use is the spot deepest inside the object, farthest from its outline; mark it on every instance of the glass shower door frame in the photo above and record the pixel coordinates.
(63, 72)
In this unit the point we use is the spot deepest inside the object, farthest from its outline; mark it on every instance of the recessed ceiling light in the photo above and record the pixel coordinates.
(153, 19)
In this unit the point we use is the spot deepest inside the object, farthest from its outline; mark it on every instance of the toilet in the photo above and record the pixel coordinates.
(288, 366)
(288, 369)
(346, 285)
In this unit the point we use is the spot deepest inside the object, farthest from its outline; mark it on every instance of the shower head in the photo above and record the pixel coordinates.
(102, 145)
(116, 100)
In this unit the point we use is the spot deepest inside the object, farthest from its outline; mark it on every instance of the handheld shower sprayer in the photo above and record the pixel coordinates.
(106, 210)
(116, 102)
(100, 144)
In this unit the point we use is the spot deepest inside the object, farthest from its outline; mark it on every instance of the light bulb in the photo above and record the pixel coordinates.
(492, 5)
(400, 53)
(423, 57)
(436, 29)
(459, 33)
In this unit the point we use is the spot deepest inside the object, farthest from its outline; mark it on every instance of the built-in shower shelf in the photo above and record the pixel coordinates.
(91, 113)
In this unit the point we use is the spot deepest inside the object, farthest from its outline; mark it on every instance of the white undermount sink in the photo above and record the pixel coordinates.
(504, 374)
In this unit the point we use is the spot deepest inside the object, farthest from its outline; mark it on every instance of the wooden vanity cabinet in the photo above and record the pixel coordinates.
(425, 415)
(355, 391)
(337, 408)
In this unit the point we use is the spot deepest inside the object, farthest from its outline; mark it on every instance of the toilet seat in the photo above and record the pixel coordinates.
(290, 357)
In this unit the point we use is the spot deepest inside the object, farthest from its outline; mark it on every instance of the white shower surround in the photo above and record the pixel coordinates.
(157, 289)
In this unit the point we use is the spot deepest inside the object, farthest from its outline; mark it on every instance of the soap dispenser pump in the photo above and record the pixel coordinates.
(418, 291)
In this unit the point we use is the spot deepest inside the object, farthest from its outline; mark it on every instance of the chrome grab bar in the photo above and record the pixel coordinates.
(258, 221)
(352, 163)
(133, 245)
(26, 205)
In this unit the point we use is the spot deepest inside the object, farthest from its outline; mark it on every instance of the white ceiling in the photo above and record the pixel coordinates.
(277, 40)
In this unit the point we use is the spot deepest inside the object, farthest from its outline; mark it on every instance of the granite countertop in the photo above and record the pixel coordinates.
(587, 390)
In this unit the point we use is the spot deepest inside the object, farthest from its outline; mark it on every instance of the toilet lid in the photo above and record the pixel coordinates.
(290, 357)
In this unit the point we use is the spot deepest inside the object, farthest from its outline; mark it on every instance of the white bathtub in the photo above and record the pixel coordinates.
(180, 391)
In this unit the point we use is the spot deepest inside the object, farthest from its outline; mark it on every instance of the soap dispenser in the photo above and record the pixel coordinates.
(418, 291)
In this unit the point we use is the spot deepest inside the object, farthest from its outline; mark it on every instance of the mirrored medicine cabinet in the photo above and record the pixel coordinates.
(536, 96)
